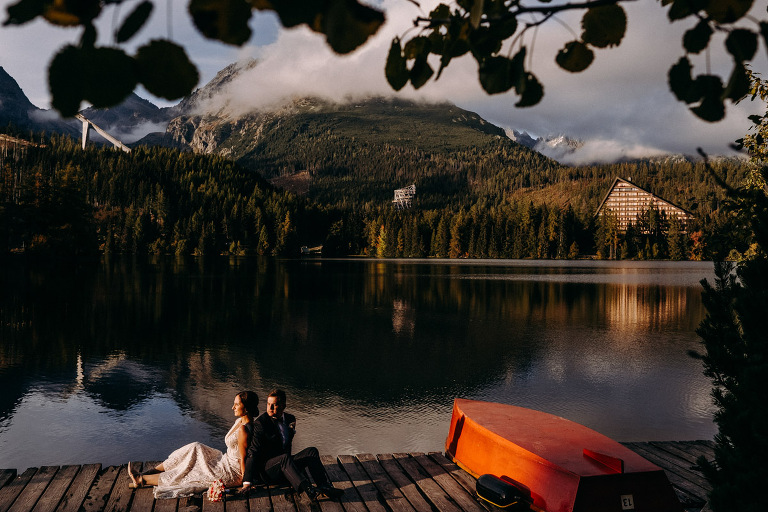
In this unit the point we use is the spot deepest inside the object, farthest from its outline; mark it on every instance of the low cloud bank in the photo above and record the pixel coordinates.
(598, 152)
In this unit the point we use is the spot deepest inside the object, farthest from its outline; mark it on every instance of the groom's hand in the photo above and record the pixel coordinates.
(245, 490)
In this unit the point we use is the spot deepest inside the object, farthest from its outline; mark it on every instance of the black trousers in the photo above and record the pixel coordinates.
(291, 468)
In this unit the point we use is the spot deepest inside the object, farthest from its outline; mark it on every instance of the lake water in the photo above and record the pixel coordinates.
(128, 360)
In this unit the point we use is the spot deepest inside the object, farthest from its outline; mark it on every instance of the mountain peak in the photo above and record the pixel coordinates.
(215, 87)
(14, 104)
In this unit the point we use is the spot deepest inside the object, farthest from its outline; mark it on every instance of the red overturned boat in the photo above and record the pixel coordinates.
(560, 466)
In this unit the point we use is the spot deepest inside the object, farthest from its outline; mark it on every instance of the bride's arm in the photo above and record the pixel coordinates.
(242, 448)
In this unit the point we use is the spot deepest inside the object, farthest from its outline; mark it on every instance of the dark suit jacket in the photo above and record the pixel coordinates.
(266, 443)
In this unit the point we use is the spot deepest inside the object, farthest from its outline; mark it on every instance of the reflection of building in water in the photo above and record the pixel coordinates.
(403, 318)
(628, 202)
(638, 308)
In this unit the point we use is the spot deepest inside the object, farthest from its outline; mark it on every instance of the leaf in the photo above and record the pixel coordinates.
(134, 21)
(24, 11)
(604, 26)
(395, 69)
(531, 93)
(421, 71)
(764, 31)
(495, 75)
(711, 107)
(680, 9)
(517, 71)
(727, 11)
(739, 84)
(223, 20)
(348, 24)
(65, 81)
(295, 12)
(103, 76)
(711, 110)
(165, 70)
(575, 57)
(439, 12)
(476, 13)
(436, 42)
(416, 46)
(681, 83)
(110, 76)
(68, 14)
(742, 44)
(503, 28)
(483, 44)
(88, 39)
(697, 38)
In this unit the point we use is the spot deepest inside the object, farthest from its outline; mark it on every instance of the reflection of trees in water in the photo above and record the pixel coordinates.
(366, 331)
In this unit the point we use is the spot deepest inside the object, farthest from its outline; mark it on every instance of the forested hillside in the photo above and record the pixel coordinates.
(62, 200)
(365, 149)
(496, 199)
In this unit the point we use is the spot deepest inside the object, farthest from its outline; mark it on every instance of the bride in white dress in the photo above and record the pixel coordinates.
(191, 469)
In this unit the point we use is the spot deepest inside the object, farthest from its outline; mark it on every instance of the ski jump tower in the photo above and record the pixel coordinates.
(86, 128)
(404, 197)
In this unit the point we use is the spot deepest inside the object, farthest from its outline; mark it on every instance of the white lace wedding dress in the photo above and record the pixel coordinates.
(191, 469)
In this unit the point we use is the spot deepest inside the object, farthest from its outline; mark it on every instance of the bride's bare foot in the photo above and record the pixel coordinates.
(137, 481)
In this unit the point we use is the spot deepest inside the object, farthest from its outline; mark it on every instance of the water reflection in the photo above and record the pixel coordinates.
(371, 353)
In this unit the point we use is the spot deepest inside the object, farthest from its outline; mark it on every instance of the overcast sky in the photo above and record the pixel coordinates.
(621, 104)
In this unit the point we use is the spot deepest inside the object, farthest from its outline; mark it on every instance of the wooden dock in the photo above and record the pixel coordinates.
(399, 482)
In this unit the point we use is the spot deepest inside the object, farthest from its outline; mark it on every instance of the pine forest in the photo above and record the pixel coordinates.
(494, 199)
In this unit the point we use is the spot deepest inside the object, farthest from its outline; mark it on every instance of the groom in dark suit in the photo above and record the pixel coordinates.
(269, 453)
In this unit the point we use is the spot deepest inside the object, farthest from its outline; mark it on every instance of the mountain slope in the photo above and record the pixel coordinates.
(368, 148)
(16, 110)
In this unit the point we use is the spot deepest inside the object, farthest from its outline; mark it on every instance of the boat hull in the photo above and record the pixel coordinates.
(566, 466)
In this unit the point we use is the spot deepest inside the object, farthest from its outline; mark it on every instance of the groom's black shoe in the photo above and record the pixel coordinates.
(330, 491)
(312, 493)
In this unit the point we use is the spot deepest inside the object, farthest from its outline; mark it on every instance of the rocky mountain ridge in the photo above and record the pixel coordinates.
(203, 123)
(16, 110)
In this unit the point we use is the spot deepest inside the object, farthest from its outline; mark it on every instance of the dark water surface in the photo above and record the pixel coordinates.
(128, 360)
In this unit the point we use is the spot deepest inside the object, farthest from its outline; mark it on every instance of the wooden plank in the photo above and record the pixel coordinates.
(386, 487)
(699, 448)
(464, 499)
(12, 489)
(302, 502)
(97, 498)
(351, 501)
(143, 498)
(429, 487)
(27, 499)
(363, 484)
(6, 475)
(79, 488)
(258, 499)
(672, 461)
(236, 503)
(120, 497)
(56, 489)
(462, 477)
(212, 506)
(679, 466)
(406, 486)
(282, 499)
(165, 505)
(686, 457)
(674, 476)
(325, 504)
(187, 504)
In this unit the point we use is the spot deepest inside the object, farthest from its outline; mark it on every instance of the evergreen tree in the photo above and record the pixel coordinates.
(736, 347)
